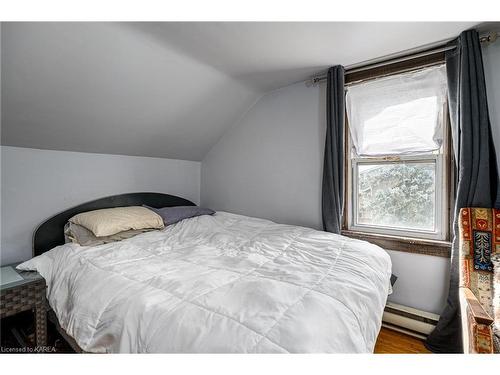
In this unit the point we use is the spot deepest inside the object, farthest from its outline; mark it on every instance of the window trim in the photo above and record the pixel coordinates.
(399, 241)
(407, 245)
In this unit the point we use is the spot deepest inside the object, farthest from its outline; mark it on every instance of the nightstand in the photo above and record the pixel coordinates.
(27, 293)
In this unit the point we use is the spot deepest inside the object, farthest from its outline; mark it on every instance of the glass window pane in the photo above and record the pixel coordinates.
(400, 195)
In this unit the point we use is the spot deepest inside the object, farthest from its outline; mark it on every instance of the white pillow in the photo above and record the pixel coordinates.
(109, 221)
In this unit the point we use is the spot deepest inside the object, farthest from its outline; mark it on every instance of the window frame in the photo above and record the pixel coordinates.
(433, 243)
(441, 207)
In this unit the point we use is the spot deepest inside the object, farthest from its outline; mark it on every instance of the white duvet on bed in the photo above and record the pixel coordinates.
(221, 283)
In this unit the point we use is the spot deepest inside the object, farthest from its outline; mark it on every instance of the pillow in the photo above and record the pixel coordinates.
(172, 215)
(109, 221)
(495, 259)
(82, 236)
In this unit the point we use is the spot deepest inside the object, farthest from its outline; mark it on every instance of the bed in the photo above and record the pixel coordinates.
(222, 283)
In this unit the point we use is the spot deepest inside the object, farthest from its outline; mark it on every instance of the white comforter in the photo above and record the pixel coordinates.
(222, 283)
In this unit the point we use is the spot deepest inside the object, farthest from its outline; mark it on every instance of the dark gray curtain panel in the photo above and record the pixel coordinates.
(476, 169)
(332, 202)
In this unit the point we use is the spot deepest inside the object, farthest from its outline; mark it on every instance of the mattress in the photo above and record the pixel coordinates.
(223, 283)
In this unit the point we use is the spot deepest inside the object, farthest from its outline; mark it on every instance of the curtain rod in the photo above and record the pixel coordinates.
(403, 56)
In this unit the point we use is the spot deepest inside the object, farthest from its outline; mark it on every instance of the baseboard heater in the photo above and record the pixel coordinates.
(408, 320)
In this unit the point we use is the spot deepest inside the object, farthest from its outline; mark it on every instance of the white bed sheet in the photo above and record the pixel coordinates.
(221, 283)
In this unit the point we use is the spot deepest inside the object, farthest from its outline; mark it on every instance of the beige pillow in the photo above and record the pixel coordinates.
(78, 234)
(109, 221)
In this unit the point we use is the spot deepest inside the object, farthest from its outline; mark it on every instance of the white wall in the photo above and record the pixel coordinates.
(422, 281)
(270, 164)
(37, 184)
(491, 58)
(0, 130)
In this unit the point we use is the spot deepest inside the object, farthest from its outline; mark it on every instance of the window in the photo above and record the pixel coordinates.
(397, 155)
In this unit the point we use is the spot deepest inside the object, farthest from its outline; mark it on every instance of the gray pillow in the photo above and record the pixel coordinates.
(172, 215)
(84, 237)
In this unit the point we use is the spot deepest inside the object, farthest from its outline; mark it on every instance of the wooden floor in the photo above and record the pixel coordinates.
(393, 342)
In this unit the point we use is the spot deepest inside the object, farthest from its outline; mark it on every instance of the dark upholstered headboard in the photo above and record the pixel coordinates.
(50, 233)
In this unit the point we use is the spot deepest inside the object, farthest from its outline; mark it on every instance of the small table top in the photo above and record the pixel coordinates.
(26, 277)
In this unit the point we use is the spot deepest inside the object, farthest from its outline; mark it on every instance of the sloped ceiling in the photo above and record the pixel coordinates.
(168, 89)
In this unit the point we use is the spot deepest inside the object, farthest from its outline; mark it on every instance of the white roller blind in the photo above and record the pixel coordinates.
(400, 114)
